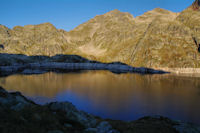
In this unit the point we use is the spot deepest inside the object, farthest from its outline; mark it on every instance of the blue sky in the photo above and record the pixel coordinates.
(67, 14)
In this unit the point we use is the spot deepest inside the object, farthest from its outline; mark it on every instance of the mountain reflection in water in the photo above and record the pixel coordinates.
(124, 96)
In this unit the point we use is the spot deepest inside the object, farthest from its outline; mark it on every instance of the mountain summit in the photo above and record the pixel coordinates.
(196, 5)
(156, 39)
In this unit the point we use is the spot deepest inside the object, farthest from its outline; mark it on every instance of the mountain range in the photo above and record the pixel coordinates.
(156, 39)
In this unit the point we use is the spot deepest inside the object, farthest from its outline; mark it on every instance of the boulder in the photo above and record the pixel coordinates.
(187, 128)
(104, 127)
(14, 101)
(71, 113)
(95, 130)
(113, 131)
(67, 125)
(55, 131)
(91, 130)
(18, 106)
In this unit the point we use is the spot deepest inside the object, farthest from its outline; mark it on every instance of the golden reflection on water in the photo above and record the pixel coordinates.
(115, 92)
(50, 84)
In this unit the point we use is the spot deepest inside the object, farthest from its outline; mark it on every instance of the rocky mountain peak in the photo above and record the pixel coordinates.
(47, 24)
(115, 11)
(158, 38)
(2, 27)
(39, 27)
(118, 13)
(196, 5)
(4, 33)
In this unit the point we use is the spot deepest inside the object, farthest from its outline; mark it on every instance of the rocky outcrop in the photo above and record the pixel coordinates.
(11, 64)
(37, 68)
(103, 127)
(187, 128)
(72, 114)
(15, 101)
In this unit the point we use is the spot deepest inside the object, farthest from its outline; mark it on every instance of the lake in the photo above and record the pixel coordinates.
(115, 96)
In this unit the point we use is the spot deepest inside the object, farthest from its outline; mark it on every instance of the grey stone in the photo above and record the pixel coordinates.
(23, 119)
(187, 128)
(68, 125)
(62, 106)
(18, 106)
(21, 99)
(113, 131)
(14, 101)
(37, 116)
(91, 130)
(55, 131)
(104, 127)
(73, 114)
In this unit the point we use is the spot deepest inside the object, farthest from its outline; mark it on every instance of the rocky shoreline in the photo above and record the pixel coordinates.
(39, 68)
(20, 115)
(22, 64)
(180, 70)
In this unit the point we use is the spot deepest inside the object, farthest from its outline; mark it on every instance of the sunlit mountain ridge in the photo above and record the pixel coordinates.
(156, 39)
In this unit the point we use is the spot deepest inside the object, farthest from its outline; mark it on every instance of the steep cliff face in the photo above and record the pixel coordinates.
(158, 38)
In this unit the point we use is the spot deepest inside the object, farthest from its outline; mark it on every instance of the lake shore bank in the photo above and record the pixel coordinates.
(39, 68)
(181, 70)
(20, 114)
(22, 64)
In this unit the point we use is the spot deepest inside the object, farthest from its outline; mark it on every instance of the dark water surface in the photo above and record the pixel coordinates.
(121, 97)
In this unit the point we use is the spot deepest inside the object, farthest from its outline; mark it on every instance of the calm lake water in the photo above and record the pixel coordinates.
(115, 96)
